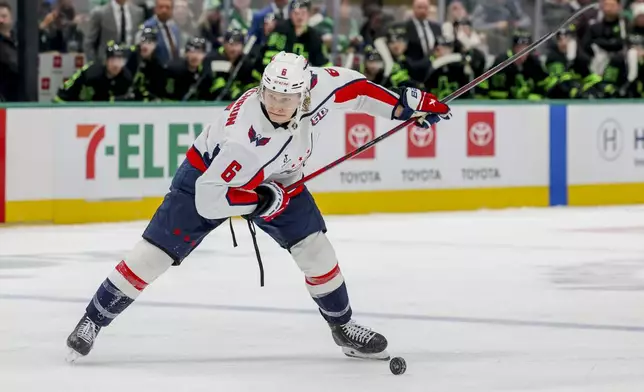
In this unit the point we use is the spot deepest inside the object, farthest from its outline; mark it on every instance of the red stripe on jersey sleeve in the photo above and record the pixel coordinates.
(241, 197)
(195, 159)
(364, 88)
(245, 195)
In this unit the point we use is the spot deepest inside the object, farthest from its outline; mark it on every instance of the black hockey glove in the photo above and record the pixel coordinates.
(273, 200)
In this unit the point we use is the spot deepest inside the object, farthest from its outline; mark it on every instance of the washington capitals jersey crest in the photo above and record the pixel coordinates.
(257, 138)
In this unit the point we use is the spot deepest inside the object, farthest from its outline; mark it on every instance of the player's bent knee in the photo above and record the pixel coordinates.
(316, 258)
(314, 254)
(142, 266)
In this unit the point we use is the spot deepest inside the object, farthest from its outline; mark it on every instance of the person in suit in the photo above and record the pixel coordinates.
(421, 32)
(169, 41)
(117, 21)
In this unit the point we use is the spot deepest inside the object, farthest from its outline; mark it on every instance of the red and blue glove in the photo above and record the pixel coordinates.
(425, 106)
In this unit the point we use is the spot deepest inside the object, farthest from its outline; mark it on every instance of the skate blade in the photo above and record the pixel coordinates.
(72, 356)
(353, 353)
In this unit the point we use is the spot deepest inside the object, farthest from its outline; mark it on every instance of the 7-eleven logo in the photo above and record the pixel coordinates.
(95, 133)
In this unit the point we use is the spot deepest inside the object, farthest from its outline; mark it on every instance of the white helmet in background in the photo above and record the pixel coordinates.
(285, 88)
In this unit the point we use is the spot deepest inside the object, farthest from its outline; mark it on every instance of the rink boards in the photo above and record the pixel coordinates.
(68, 164)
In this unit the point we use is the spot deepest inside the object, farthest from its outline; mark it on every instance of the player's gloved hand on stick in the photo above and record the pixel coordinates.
(273, 199)
(416, 103)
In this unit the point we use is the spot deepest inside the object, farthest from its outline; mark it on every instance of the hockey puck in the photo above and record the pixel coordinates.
(397, 365)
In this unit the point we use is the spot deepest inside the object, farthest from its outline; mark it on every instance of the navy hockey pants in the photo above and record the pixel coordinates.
(177, 228)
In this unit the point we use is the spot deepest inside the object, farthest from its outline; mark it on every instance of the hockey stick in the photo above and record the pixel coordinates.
(487, 74)
(247, 48)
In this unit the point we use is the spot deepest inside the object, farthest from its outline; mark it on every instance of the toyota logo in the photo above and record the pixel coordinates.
(481, 133)
(610, 139)
(359, 135)
(421, 137)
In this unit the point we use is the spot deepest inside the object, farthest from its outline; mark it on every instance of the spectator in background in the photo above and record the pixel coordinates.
(59, 29)
(147, 72)
(606, 37)
(324, 24)
(368, 5)
(99, 82)
(44, 8)
(458, 28)
(421, 32)
(269, 26)
(554, 13)
(580, 25)
(279, 8)
(432, 14)
(525, 78)
(9, 71)
(374, 25)
(210, 24)
(637, 27)
(116, 21)
(240, 16)
(197, 6)
(349, 24)
(186, 78)
(227, 59)
(294, 35)
(169, 42)
(498, 19)
(184, 18)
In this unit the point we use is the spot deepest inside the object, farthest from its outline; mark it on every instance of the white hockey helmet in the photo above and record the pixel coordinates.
(287, 81)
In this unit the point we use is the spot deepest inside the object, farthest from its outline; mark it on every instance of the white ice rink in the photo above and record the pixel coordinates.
(515, 300)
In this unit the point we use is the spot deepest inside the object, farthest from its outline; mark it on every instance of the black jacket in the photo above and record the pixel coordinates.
(605, 34)
(182, 83)
(148, 77)
(244, 80)
(414, 47)
(91, 84)
(309, 44)
(9, 71)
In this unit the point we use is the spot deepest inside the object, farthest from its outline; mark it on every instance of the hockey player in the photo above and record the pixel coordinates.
(294, 35)
(466, 42)
(240, 166)
(524, 79)
(147, 71)
(624, 74)
(187, 79)
(569, 74)
(224, 61)
(99, 82)
(449, 71)
(373, 68)
(406, 71)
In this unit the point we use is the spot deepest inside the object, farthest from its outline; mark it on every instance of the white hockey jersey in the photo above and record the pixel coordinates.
(242, 148)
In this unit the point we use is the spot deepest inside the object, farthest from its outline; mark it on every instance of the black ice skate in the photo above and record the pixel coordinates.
(81, 340)
(359, 341)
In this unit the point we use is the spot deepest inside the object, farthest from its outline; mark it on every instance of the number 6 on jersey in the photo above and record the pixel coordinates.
(231, 171)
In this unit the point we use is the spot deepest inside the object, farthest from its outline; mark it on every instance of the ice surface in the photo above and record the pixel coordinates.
(514, 300)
